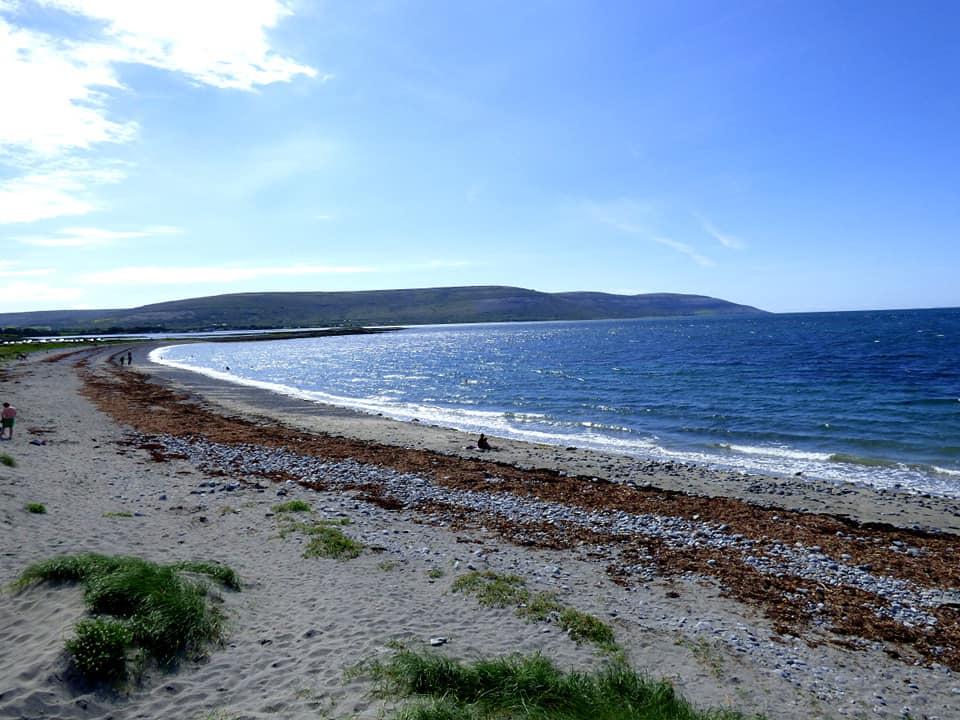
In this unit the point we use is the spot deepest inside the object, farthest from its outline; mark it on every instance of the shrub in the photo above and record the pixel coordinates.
(7, 460)
(36, 508)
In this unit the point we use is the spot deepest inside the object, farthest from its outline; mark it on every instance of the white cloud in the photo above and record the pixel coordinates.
(93, 237)
(25, 273)
(222, 43)
(682, 247)
(160, 275)
(55, 92)
(36, 296)
(632, 229)
(725, 239)
(50, 193)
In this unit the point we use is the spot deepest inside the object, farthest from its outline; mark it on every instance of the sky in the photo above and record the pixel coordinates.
(795, 156)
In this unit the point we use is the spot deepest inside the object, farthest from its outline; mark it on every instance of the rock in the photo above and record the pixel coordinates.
(437, 641)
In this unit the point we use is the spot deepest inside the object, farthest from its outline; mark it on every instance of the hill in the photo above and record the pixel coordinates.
(374, 307)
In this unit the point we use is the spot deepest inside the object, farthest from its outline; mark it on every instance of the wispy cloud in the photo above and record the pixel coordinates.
(93, 237)
(56, 91)
(50, 193)
(725, 239)
(5, 272)
(172, 275)
(682, 247)
(644, 232)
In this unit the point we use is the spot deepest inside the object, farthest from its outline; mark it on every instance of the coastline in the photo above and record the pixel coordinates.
(704, 580)
(857, 502)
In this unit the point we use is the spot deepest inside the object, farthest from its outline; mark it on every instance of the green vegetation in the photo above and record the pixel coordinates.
(435, 573)
(325, 540)
(293, 506)
(494, 590)
(140, 606)
(36, 508)
(527, 688)
(223, 574)
(387, 565)
(99, 648)
(9, 352)
(328, 542)
(118, 514)
(7, 460)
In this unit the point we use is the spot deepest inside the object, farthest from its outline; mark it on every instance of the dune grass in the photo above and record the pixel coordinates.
(495, 590)
(7, 460)
(526, 688)
(155, 611)
(35, 508)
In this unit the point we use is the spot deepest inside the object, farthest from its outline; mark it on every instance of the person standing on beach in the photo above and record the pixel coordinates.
(129, 358)
(7, 416)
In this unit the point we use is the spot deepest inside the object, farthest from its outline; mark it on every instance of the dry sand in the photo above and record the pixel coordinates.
(724, 634)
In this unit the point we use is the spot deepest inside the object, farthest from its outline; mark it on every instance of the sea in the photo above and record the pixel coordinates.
(861, 397)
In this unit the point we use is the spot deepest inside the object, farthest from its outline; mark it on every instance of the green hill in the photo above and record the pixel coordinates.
(374, 307)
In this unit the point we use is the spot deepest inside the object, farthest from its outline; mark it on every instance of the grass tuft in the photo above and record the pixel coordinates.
(223, 574)
(7, 460)
(527, 688)
(36, 508)
(328, 542)
(492, 589)
(118, 514)
(99, 648)
(139, 604)
(582, 627)
(293, 506)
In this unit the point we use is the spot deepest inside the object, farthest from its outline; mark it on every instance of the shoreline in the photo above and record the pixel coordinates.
(858, 502)
(739, 604)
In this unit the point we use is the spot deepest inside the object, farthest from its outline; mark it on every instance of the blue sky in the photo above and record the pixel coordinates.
(790, 155)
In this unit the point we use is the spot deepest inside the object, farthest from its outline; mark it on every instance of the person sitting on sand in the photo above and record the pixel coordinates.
(7, 417)
(483, 444)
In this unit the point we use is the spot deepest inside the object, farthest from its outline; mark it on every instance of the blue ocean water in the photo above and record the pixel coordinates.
(866, 397)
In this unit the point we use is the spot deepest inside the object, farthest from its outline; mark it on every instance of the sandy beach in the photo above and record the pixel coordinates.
(785, 597)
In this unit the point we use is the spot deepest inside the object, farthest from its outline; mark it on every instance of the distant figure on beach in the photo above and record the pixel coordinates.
(129, 358)
(483, 444)
(7, 416)
(121, 361)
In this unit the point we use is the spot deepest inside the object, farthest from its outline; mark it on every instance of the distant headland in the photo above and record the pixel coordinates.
(243, 311)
